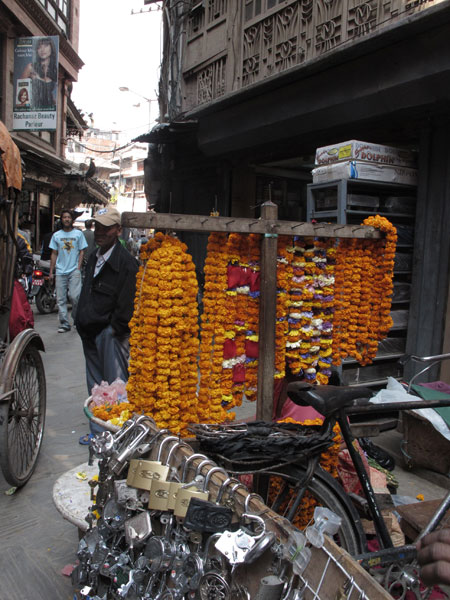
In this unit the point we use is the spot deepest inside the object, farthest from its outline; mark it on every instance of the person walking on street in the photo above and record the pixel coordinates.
(89, 237)
(67, 247)
(106, 303)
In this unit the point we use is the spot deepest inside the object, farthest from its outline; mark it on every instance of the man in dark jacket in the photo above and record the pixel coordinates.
(106, 303)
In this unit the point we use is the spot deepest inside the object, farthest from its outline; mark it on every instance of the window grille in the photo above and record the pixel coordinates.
(59, 11)
(216, 9)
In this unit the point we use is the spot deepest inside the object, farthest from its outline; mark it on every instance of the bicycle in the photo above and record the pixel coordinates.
(22, 375)
(302, 473)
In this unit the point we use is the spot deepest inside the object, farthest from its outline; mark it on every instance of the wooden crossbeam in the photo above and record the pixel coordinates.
(206, 224)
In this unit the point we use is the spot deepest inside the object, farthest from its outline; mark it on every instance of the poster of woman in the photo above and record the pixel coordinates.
(36, 76)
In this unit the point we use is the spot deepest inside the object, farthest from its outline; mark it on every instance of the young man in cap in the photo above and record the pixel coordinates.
(67, 246)
(106, 303)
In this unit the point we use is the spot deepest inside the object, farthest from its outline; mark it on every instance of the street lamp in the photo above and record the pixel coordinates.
(123, 88)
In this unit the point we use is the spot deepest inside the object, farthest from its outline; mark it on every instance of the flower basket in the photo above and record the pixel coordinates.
(97, 425)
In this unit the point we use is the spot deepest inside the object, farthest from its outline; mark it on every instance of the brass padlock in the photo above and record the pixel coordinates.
(149, 470)
(132, 471)
(175, 487)
(160, 490)
(186, 493)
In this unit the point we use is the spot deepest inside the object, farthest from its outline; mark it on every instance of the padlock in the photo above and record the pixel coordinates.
(160, 490)
(119, 458)
(175, 486)
(132, 472)
(208, 517)
(134, 463)
(231, 500)
(149, 470)
(185, 494)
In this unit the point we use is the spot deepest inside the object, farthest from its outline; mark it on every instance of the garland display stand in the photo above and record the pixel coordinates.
(331, 568)
(269, 228)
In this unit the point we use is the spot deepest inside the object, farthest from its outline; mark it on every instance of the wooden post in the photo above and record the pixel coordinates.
(267, 316)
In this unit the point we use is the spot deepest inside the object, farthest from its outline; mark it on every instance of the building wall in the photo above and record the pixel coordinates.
(229, 45)
(42, 151)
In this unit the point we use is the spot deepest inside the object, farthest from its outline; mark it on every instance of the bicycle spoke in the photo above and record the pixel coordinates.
(25, 417)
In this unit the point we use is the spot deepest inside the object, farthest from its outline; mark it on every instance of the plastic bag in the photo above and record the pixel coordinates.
(395, 392)
(383, 458)
(103, 394)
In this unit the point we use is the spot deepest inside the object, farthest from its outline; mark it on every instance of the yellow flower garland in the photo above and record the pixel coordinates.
(363, 289)
(164, 338)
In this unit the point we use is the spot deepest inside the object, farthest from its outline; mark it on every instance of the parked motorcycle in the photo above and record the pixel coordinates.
(43, 291)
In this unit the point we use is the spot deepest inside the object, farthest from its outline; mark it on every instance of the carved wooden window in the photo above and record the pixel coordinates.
(211, 81)
(216, 9)
(253, 8)
(196, 20)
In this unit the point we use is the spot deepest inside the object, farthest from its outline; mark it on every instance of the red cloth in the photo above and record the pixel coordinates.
(21, 316)
(229, 349)
(238, 374)
(251, 349)
(347, 472)
(233, 276)
(254, 280)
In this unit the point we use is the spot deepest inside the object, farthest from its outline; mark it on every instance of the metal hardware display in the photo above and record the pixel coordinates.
(140, 547)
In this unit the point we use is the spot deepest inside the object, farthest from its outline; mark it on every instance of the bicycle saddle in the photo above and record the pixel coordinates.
(326, 399)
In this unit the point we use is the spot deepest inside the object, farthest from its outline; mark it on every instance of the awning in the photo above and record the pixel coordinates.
(11, 159)
(79, 189)
(164, 133)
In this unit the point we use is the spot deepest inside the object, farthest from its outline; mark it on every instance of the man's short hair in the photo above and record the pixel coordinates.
(66, 211)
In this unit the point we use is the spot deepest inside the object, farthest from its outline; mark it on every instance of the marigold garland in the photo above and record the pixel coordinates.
(363, 290)
(311, 309)
(213, 331)
(164, 336)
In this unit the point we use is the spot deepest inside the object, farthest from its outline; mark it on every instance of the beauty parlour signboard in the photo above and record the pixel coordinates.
(36, 83)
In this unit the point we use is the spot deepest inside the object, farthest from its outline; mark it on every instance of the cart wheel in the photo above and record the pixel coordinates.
(22, 417)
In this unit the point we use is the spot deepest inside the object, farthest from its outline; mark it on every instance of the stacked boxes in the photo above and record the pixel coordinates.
(362, 160)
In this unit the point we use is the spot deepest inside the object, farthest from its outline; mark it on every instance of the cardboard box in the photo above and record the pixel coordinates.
(358, 169)
(372, 153)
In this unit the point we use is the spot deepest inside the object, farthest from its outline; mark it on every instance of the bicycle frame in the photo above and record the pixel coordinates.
(388, 552)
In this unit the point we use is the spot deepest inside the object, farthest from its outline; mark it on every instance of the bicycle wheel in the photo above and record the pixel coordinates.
(22, 418)
(322, 490)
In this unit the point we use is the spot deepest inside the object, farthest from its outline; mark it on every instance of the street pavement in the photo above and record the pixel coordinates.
(36, 542)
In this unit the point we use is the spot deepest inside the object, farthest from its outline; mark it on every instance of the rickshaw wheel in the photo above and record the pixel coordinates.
(22, 418)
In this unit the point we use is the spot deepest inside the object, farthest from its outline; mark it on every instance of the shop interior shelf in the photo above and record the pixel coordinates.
(352, 361)
(382, 214)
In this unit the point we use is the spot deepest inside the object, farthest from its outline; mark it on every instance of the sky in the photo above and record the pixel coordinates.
(119, 49)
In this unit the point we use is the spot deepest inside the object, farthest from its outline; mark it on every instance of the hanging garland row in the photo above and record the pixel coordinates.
(333, 301)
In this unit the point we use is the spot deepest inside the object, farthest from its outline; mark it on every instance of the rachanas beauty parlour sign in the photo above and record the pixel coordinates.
(35, 83)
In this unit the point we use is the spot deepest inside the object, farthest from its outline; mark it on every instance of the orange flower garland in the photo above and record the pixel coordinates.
(284, 279)
(363, 289)
(164, 338)
(212, 332)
